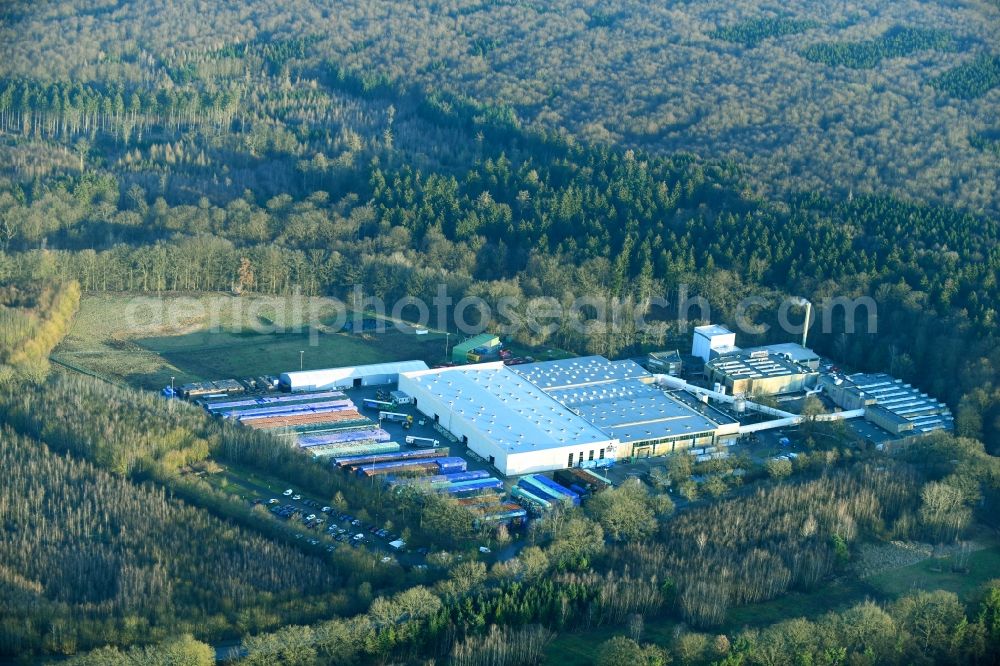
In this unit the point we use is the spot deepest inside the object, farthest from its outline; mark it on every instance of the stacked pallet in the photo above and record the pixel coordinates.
(354, 448)
(351, 463)
(542, 487)
(285, 421)
(229, 405)
(414, 466)
(582, 481)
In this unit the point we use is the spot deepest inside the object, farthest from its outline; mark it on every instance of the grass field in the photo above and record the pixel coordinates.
(936, 574)
(143, 341)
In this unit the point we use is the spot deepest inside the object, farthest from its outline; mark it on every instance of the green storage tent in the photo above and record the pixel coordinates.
(460, 351)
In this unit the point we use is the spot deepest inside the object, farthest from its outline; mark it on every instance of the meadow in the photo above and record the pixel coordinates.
(205, 337)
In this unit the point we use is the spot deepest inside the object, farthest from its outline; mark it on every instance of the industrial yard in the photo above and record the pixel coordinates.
(510, 439)
(353, 429)
(505, 434)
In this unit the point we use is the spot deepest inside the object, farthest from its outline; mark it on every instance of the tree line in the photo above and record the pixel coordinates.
(921, 627)
(32, 324)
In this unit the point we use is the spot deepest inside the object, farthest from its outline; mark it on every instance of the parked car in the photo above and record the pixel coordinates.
(326, 509)
(272, 501)
(288, 492)
(296, 497)
(311, 516)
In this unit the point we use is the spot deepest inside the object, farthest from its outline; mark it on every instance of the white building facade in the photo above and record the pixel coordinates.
(348, 377)
(505, 419)
(712, 340)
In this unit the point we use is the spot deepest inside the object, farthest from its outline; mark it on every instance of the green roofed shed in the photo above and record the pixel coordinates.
(460, 352)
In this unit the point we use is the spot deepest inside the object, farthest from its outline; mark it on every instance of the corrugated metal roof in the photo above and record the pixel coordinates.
(504, 407)
(613, 396)
(476, 341)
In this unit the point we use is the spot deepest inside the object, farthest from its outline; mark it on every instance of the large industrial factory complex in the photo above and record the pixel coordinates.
(521, 417)
(583, 412)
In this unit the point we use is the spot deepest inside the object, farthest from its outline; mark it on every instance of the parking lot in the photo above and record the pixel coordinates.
(326, 520)
(326, 527)
(305, 519)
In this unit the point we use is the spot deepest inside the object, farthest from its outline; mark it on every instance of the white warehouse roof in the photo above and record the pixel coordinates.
(307, 379)
(614, 396)
(503, 407)
(712, 331)
(583, 371)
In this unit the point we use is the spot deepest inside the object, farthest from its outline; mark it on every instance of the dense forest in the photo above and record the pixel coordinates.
(161, 566)
(925, 627)
(658, 78)
(344, 180)
(895, 43)
(97, 559)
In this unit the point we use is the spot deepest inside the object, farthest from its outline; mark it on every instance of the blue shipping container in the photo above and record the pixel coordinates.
(555, 487)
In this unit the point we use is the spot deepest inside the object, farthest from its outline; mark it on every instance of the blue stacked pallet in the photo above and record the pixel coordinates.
(473, 486)
(535, 484)
(272, 399)
(448, 464)
(451, 464)
(531, 498)
(557, 488)
(540, 491)
(346, 461)
(468, 475)
(289, 410)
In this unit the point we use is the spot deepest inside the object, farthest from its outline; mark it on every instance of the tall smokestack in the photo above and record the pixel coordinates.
(805, 324)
